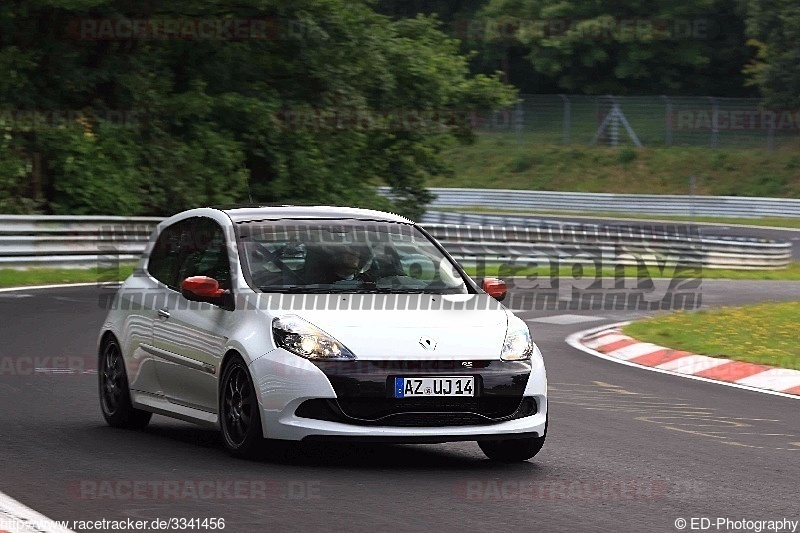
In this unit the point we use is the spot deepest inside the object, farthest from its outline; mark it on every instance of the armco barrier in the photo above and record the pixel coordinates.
(608, 246)
(71, 241)
(86, 241)
(648, 204)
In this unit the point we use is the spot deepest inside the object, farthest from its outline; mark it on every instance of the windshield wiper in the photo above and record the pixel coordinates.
(389, 290)
(303, 289)
(298, 289)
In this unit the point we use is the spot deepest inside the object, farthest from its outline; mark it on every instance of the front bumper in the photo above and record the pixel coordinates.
(362, 407)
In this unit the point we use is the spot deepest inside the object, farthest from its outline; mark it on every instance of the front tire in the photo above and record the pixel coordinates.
(115, 396)
(240, 416)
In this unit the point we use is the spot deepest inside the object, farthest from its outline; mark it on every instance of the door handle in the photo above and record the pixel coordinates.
(163, 313)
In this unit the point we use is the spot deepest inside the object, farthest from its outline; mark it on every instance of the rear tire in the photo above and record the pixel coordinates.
(239, 411)
(513, 450)
(115, 395)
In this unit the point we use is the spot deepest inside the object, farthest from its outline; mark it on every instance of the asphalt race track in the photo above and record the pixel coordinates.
(705, 229)
(627, 449)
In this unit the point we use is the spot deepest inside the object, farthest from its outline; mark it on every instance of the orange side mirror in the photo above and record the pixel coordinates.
(202, 288)
(496, 288)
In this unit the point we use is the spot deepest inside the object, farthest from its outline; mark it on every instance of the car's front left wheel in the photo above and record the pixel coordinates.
(240, 417)
(115, 396)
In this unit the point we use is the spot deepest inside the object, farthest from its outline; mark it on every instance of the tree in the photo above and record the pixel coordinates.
(316, 101)
(774, 30)
(637, 47)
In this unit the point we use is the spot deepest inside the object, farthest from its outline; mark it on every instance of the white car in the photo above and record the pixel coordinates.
(306, 323)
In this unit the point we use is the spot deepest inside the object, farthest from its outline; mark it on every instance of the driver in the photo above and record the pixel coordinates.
(347, 264)
(350, 262)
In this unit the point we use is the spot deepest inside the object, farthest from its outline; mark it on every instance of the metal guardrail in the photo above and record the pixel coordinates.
(609, 246)
(72, 241)
(88, 241)
(648, 204)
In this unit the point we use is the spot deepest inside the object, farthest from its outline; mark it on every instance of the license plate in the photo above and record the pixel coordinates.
(444, 386)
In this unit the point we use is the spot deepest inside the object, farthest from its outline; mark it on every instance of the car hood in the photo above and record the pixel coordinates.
(420, 326)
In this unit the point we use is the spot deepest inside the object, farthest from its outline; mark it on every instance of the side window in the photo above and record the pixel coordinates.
(163, 261)
(204, 252)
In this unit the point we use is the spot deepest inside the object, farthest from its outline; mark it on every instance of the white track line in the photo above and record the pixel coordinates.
(574, 340)
(17, 518)
(720, 224)
(60, 286)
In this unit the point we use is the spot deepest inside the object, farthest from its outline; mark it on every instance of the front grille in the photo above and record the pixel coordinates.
(434, 419)
(420, 412)
(377, 408)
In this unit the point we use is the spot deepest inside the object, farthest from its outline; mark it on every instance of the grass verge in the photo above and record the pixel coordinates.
(52, 276)
(496, 161)
(775, 222)
(792, 273)
(764, 334)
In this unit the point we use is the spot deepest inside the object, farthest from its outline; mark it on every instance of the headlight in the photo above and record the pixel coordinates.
(518, 345)
(306, 340)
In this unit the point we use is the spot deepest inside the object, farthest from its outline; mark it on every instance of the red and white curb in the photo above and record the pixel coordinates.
(608, 342)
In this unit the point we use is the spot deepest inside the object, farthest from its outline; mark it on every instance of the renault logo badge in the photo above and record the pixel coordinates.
(427, 343)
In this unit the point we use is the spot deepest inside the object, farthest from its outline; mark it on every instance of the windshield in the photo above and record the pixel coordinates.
(344, 256)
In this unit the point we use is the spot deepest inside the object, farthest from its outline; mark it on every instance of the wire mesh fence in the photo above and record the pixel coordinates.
(644, 121)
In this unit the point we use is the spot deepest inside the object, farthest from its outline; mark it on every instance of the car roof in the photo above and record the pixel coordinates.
(240, 214)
